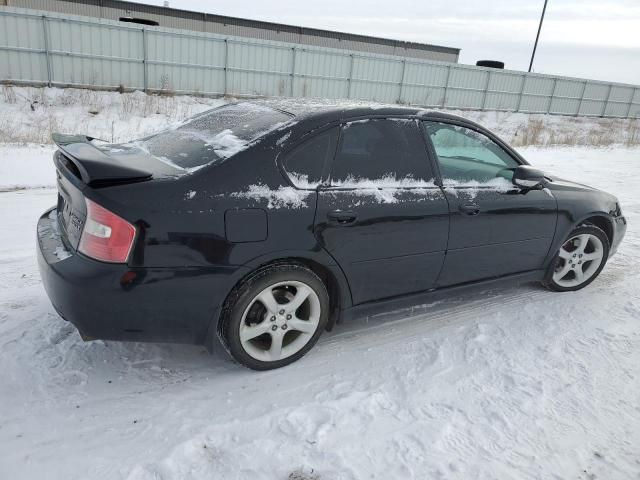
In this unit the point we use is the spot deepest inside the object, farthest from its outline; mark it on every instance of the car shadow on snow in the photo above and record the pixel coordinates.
(176, 362)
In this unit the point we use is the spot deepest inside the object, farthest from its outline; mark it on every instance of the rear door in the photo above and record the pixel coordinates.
(496, 228)
(379, 214)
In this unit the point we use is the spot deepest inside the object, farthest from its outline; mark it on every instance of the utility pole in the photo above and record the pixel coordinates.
(535, 45)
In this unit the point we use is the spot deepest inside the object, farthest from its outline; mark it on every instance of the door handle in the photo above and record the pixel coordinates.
(342, 216)
(471, 209)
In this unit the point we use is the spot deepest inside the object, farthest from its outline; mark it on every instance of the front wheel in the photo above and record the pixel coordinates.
(579, 261)
(275, 316)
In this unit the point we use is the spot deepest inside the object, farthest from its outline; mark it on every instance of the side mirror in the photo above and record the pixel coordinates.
(527, 177)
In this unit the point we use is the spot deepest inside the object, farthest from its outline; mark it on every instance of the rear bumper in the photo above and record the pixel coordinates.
(116, 302)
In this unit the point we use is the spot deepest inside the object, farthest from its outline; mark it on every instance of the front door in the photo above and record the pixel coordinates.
(496, 228)
(379, 214)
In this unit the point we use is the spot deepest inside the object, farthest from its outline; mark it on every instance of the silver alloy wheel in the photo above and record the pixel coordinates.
(280, 321)
(579, 259)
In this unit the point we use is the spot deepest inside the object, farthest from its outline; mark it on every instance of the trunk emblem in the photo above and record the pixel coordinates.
(76, 221)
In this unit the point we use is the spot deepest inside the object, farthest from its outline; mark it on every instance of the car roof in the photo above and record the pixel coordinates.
(326, 110)
(313, 113)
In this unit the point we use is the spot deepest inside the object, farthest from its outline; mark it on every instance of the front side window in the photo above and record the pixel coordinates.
(305, 162)
(465, 155)
(386, 153)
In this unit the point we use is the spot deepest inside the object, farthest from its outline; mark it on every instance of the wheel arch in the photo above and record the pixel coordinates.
(330, 273)
(600, 220)
(568, 224)
(594, 223)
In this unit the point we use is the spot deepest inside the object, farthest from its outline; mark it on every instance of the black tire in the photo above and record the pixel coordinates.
(549, 282)
(490, 64)
(244, 294)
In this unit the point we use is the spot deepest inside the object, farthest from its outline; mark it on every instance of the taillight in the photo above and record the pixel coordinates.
(106, 236)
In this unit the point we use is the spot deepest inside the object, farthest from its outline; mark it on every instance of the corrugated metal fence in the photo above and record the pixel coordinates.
(47, 48)
(239, 27)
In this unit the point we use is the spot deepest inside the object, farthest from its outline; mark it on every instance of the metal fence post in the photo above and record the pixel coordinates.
(145, 72)
(633, 94)
(226, 65)
(524, 82)
(553, 93)
(446, 86)
(45, 33)
(404, 68)
(584, 89)
(606, 101)
(486, 89)
(293, 71)
(350, 79)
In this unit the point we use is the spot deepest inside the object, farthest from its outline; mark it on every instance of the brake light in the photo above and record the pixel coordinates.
(106, 236)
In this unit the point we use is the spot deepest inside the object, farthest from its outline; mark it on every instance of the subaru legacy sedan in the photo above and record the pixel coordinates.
(261, 224)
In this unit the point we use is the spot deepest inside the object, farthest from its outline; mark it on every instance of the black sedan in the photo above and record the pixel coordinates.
(263, 223)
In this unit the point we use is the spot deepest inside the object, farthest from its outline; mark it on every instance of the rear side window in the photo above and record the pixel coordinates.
(389, 150)
(305, 162)
(214, 135)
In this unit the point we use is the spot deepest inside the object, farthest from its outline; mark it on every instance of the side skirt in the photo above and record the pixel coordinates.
(406, 301)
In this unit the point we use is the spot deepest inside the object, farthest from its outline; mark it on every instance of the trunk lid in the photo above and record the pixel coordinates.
(107, 165)
(81, 165)
(71, 208)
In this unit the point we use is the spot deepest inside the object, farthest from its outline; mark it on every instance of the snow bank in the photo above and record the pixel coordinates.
(30, 115)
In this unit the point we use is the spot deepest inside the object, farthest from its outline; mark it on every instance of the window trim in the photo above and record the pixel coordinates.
(429, 147)
(297, 142)
(325, 185)
(448, 121)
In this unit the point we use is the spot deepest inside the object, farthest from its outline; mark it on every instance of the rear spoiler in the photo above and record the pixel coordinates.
(95, 167)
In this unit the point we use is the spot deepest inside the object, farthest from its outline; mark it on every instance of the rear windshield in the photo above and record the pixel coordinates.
(214, 135)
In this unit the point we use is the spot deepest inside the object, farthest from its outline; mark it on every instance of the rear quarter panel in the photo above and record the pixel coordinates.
(192, 221)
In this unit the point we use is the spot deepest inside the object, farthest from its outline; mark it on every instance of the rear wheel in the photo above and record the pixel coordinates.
(580, 259)
(275, 316)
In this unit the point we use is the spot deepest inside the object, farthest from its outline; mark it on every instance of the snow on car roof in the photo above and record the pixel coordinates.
(310, 106)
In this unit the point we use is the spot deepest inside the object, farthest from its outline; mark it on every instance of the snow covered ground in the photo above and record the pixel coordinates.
(516, 383)
(519, 383)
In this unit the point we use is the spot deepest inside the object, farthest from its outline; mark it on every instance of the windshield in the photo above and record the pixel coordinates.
(214, 135)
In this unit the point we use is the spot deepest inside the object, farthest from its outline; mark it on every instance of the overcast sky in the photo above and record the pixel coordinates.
(596, 39)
